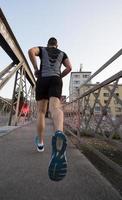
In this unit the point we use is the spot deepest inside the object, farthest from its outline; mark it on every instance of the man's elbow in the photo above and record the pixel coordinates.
(70, 68)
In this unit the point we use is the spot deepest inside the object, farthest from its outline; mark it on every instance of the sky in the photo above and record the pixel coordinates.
(89, 31)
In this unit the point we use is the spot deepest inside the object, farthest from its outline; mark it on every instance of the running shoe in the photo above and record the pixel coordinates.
(40, 148)
(58, 165)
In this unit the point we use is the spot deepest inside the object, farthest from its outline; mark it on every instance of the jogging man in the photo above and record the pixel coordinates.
(48, 90)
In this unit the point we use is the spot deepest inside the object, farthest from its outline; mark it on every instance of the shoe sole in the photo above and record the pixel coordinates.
(58, 165)
(40, 150)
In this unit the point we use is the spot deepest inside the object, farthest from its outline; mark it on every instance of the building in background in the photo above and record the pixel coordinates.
(114, 107)
(76, 89)
(76, 80)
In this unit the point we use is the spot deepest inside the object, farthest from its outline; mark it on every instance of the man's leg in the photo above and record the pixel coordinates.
(58, 164)
(41, 111)
(56, 113)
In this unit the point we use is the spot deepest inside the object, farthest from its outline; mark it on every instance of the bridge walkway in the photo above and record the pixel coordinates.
(23, 171)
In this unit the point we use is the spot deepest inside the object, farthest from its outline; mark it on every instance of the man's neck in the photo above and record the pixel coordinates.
(52, 46)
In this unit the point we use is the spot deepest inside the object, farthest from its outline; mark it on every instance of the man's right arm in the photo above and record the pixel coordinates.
(33, 52)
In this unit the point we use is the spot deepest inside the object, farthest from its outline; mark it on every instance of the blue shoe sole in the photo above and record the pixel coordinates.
(58, 165)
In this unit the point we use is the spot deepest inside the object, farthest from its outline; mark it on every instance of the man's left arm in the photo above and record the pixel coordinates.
(68, 66)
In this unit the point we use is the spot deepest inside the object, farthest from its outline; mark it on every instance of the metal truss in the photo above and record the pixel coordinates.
(23, 93)
(80, 114)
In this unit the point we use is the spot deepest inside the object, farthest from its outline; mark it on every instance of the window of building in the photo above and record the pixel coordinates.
(105, 101)
(97, 109)
(85, 75)
(95, 93)
(105, 94)
(117, 94)
(76, 76)
(76, 82)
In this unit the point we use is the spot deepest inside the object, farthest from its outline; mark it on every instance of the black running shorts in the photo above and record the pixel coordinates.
(47, 87)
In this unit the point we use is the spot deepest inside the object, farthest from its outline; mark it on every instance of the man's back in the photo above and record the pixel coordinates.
(52, 55)
(51, 61)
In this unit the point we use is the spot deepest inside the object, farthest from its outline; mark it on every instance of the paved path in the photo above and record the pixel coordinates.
(23, 171)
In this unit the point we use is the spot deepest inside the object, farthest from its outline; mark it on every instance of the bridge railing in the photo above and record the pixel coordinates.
(21, 104)
(91, 114)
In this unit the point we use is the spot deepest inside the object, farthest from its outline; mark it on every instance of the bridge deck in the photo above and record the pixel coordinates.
(23, 171)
